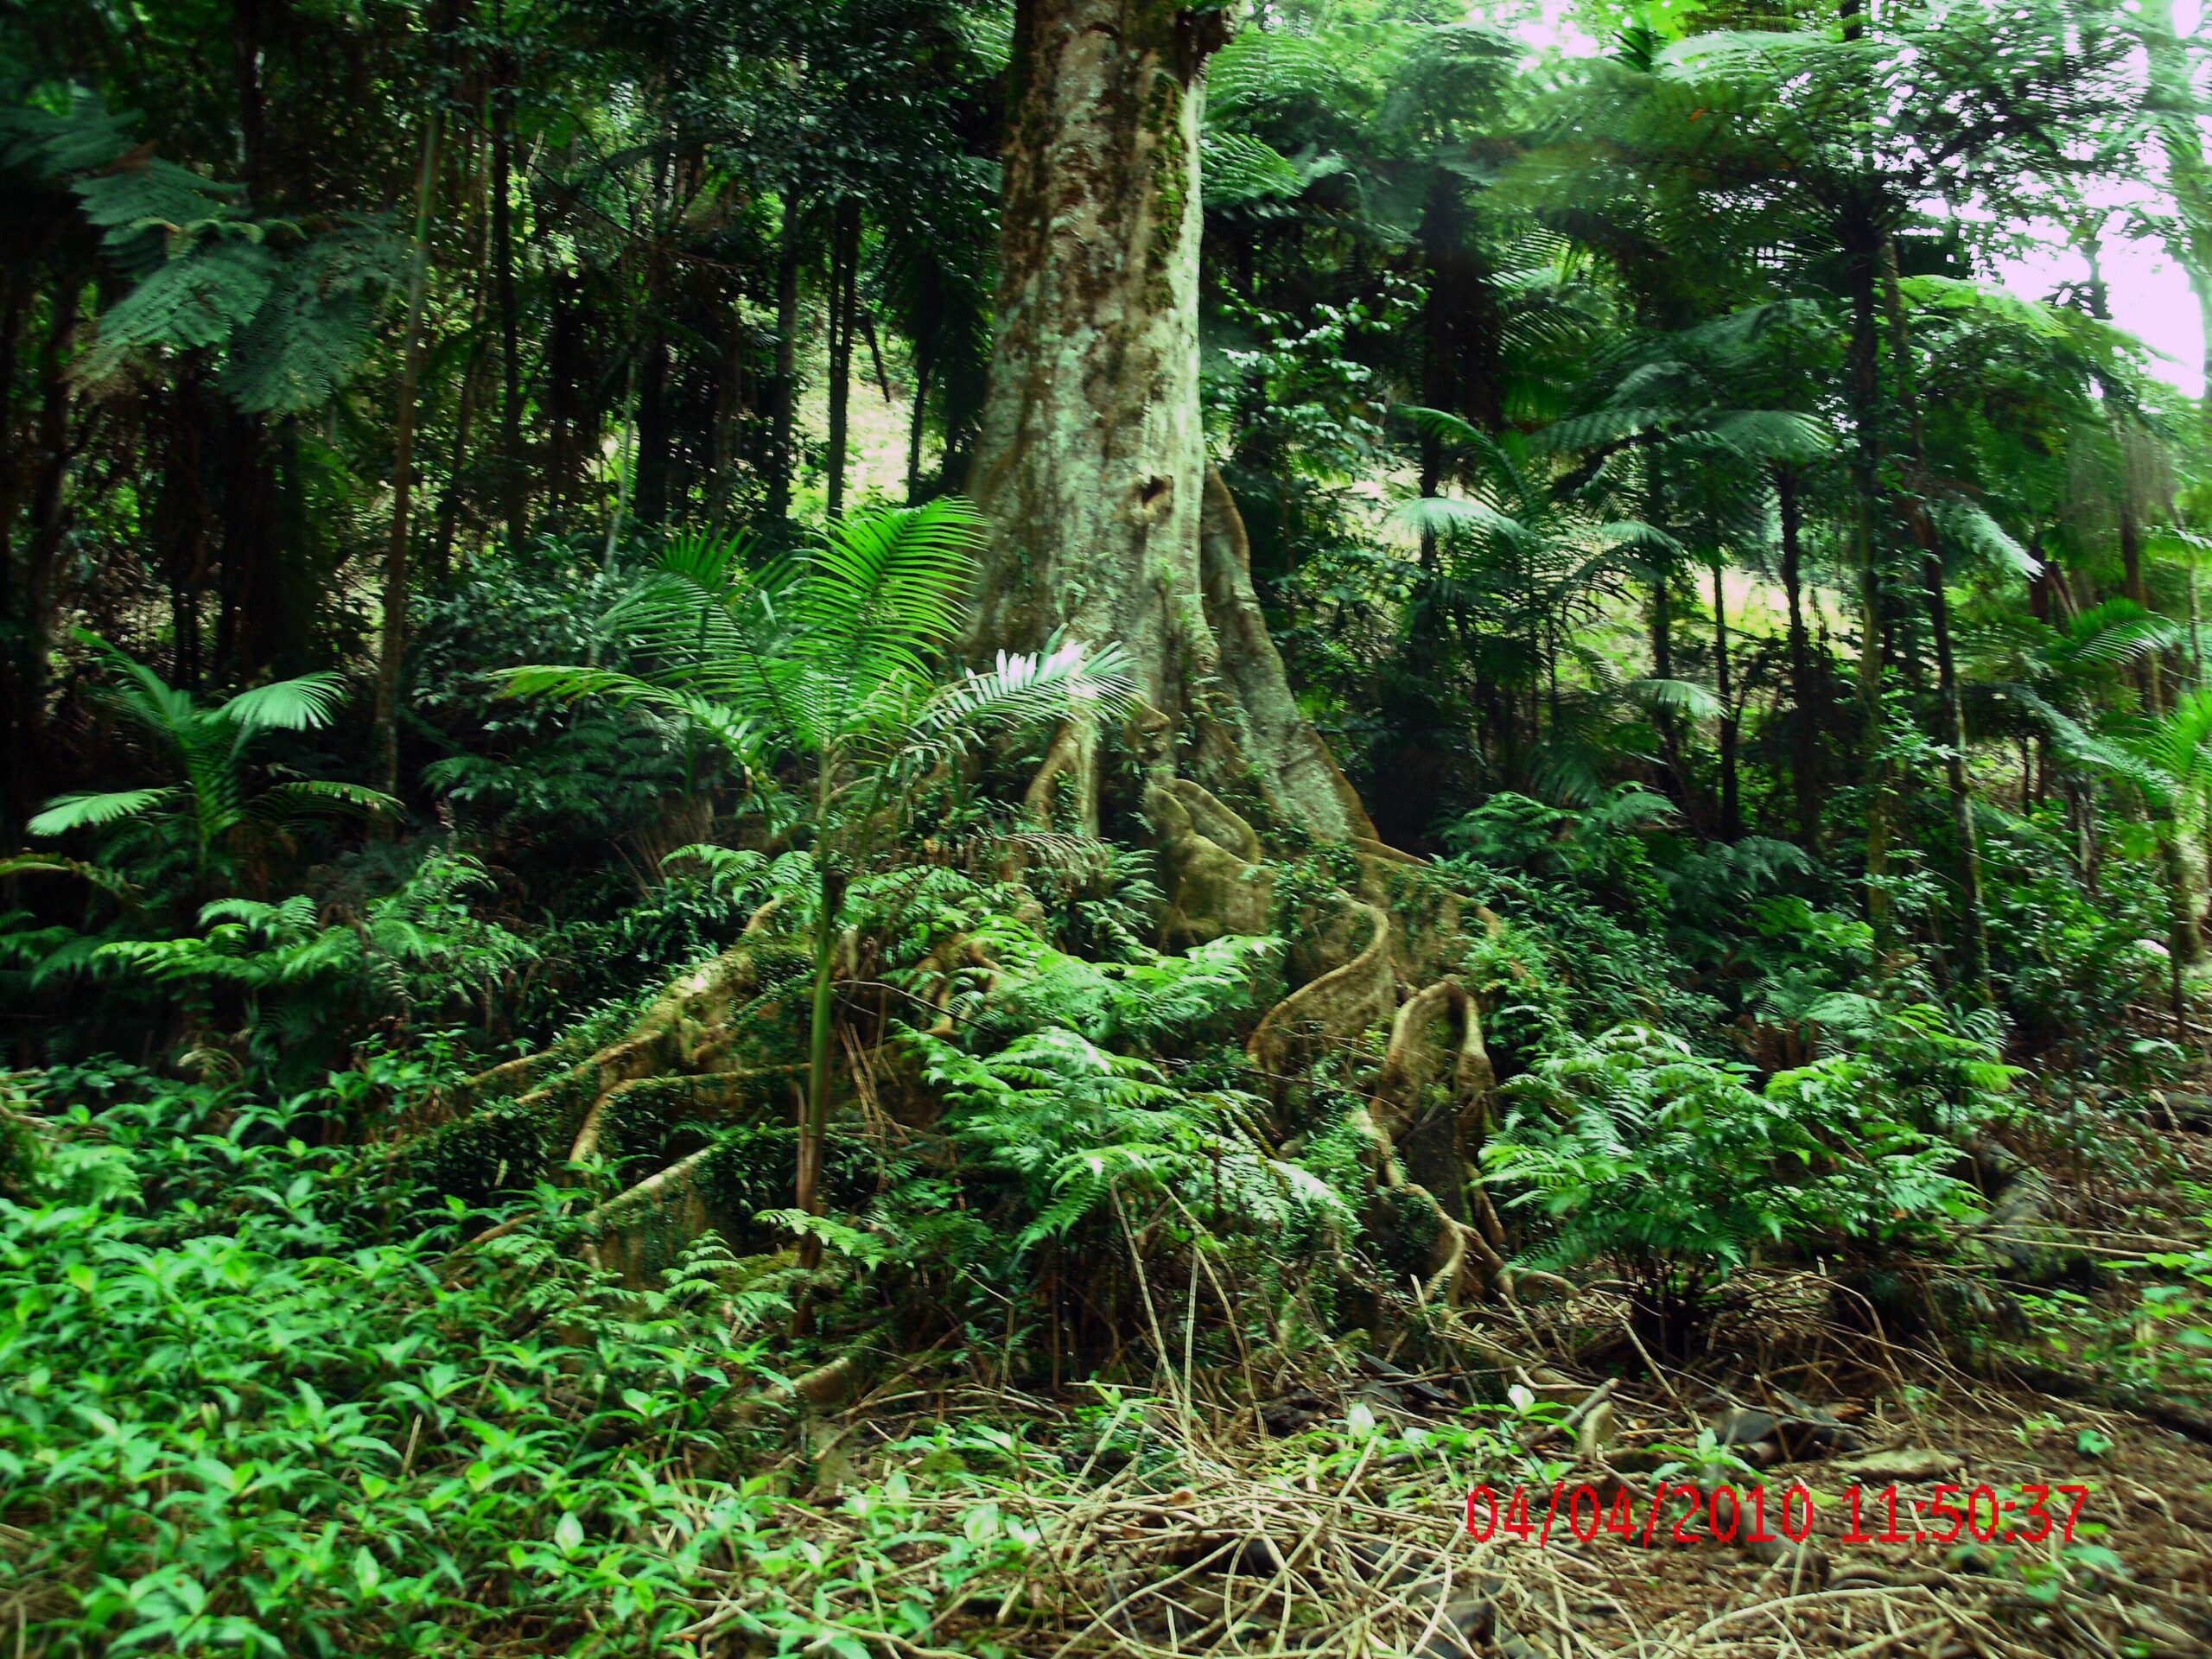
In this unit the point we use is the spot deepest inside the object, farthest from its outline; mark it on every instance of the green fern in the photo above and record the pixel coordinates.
(298, 348)
(1638, 1150)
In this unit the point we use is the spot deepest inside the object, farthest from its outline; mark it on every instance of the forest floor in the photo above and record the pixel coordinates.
(1335, 1519)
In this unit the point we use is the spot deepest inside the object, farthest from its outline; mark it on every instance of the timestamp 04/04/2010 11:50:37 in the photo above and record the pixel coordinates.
(1686, 1514)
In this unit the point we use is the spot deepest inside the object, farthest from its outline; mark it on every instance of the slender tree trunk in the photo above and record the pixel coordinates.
(814, 1121)
(514, 479)
(731, 395)
(245, 74)
(1437, 229)
(181, 520)
(2196, 633)
(650, 480)
(564, 354)
(922, 365)
(1869, 546)
(844, 258)
(481, 285)
(1662, 623)
(1731, 820)
(464, 420)
(782, 458)
(49, 530)
(15, 306)
(2134, 583)
(2188, 178)
(650, 474)
(1431, 478)
(1090, 463)
(626, 468)
(1804, 735)
(391, 647)
(1950, 707)
(2185, 941)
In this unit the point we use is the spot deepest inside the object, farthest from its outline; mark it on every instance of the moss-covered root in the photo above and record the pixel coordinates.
(689, 1028)
(1429, 1111)
(1332, 1009)
(640, 1231)
(661, 1103)
(1217, 884)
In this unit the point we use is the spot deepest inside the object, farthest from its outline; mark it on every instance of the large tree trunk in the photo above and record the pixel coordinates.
(1091, 463)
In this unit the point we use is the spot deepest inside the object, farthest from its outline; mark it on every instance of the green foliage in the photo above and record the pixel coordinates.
(223, 831)
(549, 787)
(301, 346)
(204, 275)
(307, 983)
(1641, 1151)
(2068, 961)
(1071, 1122)
(819, 677)
(830, 658)
(1585, 890)
(1073, 1142)
(1149, 1002)
(239, 1427)
(241, 1418)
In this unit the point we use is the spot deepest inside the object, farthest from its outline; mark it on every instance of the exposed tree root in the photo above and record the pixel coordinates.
(711, 1098)
(1073, 757)
(502, 1082)
(830, 1384)
(949, 960)
(690, 1029)
(1213, 857)
(1431, 1102)
(1429, 1111)
(640, 1229)
(1272, 737)
(1332, 1009)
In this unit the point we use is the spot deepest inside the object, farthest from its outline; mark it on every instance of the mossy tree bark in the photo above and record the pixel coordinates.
(1108, 523)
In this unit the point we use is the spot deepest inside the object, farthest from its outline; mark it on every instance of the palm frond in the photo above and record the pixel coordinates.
(49, 863)
(1024, 691)
(317, 795)
(1683, 698)
(1973, 530)
(142, 694)
(66, 812)
(1443, 516)
(1773, 435)
(893, 580)
(1612, 424)
(2116, 633)
(306, 704)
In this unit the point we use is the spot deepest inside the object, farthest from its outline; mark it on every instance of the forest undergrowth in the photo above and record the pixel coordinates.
(1115, 1335)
